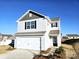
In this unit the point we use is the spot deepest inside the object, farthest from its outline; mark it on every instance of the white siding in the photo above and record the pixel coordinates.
(43, 42)
(59, 39)
(20, 26)
(54, 28)
(47, 40)
(40, 25)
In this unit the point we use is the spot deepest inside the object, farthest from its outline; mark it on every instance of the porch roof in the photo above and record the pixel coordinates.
(54, 32)
(30, 33)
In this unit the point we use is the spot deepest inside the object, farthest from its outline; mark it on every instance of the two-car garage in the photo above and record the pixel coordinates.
(28, 43)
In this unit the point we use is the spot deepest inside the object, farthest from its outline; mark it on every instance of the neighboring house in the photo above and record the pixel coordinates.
(70, 36)
(6, 39)
(35, 31)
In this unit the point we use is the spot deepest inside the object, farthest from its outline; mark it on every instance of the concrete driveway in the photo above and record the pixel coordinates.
(17, 54)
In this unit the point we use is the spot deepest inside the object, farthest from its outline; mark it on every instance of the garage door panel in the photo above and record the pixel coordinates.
(28, 43)
(35, 43)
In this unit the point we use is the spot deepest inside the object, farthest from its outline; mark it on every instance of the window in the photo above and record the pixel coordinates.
(33, 25)
(54, 24)
(51, 24)
(27, 25)
(30, 25)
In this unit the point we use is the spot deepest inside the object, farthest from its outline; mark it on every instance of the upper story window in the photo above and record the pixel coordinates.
(30, 25)
(33, 24)
(51, 24)
(54, 24)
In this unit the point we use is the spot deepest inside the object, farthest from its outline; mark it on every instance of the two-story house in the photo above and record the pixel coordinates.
(35, 31)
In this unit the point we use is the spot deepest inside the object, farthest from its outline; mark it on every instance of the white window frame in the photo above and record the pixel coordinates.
(29, 26)
(54, 24)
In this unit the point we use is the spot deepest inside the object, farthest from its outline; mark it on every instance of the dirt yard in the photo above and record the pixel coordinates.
(5, 49)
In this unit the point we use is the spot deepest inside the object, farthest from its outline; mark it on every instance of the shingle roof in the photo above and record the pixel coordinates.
(35, 15)
(55, 19)
(54, 32)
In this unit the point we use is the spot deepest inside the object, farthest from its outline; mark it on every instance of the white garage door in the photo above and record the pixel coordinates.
(28, 43)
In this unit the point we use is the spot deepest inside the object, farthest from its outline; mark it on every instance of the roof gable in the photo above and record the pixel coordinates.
(30, 14)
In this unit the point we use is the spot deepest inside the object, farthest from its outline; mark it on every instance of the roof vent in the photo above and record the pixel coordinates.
(30, 14)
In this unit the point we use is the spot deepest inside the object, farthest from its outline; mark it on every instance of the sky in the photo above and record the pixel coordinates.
(67, 10)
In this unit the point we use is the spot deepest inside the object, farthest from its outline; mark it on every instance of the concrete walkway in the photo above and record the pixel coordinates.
(17, 54)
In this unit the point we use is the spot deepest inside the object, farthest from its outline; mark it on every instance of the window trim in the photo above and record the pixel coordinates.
(31, 24)
(51, 24)
(28, 25)
(54, 24)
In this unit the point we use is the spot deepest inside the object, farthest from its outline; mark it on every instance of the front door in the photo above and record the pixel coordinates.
(55, 41)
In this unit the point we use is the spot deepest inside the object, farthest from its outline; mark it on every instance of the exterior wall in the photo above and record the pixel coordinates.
(43, 42)
(59, 40)
(58, 35)
(40, 25)
(47, 41)
(20, 26)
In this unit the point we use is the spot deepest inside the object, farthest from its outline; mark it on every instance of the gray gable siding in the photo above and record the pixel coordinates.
(34, 16)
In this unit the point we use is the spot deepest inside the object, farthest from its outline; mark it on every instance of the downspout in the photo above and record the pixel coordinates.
(40, 46)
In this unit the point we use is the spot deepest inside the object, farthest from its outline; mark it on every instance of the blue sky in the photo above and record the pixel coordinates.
(67, 10)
